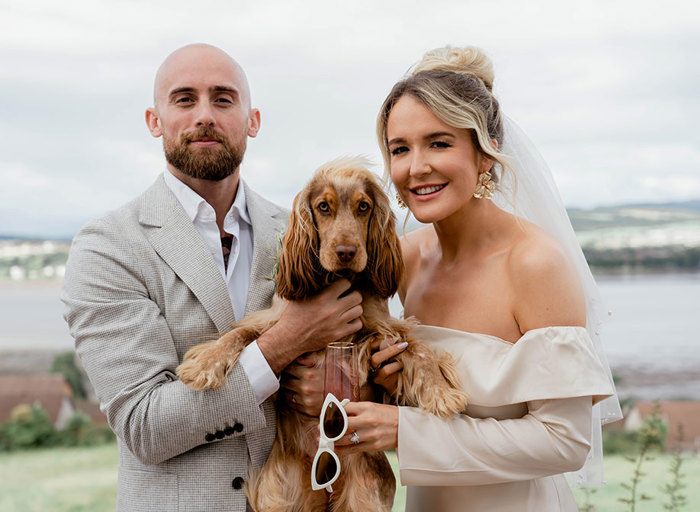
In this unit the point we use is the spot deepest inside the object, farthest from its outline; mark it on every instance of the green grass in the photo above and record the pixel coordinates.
(619, 470)
(85, 479)
(59, 480)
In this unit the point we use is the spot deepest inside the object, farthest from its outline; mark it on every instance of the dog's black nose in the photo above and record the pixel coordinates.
(345, 252)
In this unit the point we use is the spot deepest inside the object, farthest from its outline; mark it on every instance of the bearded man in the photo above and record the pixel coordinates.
(175, 267)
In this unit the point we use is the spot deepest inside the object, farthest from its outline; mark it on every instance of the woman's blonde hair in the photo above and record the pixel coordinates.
(456, 85)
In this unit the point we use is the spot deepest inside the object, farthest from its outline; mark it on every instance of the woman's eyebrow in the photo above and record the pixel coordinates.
(434, 135)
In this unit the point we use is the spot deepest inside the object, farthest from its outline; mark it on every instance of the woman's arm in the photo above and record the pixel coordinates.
(552, 438)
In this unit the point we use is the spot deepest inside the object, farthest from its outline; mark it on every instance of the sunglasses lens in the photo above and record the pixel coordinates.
(326, 468)
(333, 421)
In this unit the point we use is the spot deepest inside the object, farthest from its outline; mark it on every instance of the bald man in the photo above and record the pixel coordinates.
(175, 267)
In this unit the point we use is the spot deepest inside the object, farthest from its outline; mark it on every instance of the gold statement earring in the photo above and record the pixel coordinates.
(401, 202)
(484, 189)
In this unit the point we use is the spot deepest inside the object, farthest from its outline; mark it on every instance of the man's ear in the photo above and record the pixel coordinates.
(153, 122)
(253, 122)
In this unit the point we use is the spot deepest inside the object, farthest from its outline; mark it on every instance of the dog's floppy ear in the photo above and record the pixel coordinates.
(385, 264)
(299, 275)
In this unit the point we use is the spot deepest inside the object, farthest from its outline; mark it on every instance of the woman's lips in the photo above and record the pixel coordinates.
(426, 192)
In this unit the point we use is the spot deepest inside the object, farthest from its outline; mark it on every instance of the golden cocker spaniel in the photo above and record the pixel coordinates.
(341, 225)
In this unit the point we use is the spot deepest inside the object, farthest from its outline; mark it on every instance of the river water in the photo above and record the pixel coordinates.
(652, 339)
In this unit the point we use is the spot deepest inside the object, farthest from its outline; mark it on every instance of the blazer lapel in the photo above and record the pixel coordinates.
(176, 240)
(269, 222)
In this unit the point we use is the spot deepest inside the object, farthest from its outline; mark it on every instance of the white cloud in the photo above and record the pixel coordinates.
(608, 90)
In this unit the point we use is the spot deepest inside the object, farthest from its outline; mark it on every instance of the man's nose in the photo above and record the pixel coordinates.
(205, 115)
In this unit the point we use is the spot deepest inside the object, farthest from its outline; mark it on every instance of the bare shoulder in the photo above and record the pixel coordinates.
(412, 245)
(547, 291)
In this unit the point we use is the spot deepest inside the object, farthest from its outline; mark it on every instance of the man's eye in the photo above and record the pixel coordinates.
(224, 100)
(323, 207)
(183, 100)
(363, 206)
(398, 150)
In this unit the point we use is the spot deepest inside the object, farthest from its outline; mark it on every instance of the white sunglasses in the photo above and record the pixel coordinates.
(333, 423)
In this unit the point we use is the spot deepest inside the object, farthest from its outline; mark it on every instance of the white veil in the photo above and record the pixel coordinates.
(534, 196)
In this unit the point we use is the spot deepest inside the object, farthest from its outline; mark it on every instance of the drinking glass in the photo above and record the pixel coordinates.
(341, 371)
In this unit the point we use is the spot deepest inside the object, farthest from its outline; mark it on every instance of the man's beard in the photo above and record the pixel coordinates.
(213, 164)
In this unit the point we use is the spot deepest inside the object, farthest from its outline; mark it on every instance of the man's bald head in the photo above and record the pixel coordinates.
(202, 110)
(196, 62)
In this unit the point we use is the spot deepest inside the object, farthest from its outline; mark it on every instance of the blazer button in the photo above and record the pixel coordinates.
(229, 431)
(237, 482)
(238, 427)
(209, 438)
(219, 434)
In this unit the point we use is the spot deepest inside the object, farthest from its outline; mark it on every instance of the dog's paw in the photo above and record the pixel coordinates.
(446, 401)
(442, 400)
(205, 366)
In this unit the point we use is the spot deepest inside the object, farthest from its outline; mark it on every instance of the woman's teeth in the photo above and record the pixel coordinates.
(428, 190)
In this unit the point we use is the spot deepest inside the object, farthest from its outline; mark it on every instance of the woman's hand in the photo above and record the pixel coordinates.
(384, 370)
(302, 383)
(376, 426)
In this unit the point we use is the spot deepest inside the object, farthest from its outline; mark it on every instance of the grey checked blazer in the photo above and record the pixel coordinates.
(140, 289)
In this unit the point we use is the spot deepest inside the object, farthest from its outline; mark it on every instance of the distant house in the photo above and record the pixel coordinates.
(52, 392)
(92, 410)
(685, 413)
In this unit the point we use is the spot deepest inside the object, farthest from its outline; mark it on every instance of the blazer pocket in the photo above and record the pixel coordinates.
(146, 491)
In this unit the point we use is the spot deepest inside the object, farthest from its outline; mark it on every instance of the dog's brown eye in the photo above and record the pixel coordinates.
(323, 207)
(363, 206)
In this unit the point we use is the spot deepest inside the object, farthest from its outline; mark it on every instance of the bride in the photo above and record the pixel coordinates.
(498, 279)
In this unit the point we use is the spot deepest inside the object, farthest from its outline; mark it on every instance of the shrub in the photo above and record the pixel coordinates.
(64, 363)
(29, 426)
(619, 442)
(81, 431)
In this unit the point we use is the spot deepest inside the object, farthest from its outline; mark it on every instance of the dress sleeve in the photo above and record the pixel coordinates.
(552, 438)
(552, 373)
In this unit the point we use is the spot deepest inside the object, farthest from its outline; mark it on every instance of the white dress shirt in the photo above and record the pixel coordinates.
(236, 274)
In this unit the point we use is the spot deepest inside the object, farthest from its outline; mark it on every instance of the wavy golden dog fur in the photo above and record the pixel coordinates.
(341, 225)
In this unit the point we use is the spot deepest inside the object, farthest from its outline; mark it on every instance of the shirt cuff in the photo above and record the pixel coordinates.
(261, 377)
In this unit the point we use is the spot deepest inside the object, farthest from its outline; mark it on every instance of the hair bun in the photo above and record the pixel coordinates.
(468, 60)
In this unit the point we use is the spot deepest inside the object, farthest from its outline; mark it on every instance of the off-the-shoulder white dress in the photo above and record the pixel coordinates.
(528, 421)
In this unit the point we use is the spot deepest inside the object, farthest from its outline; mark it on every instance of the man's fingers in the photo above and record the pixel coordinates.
(309, 359)
(337, 288)
(351, 314)
(294, 370)
(352, 327)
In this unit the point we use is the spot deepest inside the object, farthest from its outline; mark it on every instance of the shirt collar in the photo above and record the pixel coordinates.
(195, 206)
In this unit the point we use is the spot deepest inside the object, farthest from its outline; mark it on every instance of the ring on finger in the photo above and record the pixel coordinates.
(355, 438)
(294, 397)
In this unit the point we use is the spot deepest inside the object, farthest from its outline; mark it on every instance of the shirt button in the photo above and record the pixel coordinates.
(237, 482)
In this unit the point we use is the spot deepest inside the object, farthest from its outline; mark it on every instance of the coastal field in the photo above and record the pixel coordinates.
(85, 480)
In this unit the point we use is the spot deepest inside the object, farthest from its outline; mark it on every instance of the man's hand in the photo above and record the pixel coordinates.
(309, 325)
(302, 382)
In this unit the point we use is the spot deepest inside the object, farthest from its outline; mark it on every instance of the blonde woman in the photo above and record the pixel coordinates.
(498, 279)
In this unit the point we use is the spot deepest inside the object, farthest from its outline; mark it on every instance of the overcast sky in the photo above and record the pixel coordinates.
(607, 89)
